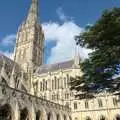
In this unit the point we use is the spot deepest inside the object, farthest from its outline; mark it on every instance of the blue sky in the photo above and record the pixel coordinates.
(58, 17)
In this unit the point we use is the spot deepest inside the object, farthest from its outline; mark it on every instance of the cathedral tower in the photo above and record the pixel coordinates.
(29, 51)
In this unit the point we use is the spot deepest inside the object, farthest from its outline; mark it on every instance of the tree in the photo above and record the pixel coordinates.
(104, 62)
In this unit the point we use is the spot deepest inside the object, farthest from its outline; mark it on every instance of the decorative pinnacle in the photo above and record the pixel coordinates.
(33, 12)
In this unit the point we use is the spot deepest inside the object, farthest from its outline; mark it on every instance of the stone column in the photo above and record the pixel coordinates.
(16, 112)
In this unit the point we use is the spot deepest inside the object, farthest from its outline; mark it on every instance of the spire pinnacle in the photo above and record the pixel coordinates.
(33, 12)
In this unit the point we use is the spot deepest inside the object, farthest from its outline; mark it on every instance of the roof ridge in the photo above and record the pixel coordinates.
(59, 62)
(56, 66)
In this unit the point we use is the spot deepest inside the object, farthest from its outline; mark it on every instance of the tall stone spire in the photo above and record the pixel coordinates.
(29, 52)
(33, 15)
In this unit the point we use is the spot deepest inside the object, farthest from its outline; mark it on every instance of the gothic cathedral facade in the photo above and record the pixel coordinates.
(32, 90)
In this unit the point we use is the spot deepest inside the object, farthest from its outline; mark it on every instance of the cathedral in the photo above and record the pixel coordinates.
(32, 90)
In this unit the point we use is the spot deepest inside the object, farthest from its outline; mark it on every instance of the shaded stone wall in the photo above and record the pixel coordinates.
(25, 106)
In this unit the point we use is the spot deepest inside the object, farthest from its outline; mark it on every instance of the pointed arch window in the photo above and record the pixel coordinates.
(46, 85)
(41, 86)
(86, 104)
(75, 105)
(100, 103)
(68, 79)
(55, 82)
(65, 82)
(53, 96)
(52, 84)
(115, 102)
(58, 80)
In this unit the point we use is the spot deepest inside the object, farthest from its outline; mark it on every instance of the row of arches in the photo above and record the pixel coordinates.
(6, 113)
(117, 117)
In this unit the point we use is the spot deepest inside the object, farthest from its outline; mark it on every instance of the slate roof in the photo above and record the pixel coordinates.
(54, 67)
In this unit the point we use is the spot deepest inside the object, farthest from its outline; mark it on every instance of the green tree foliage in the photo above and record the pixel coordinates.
(104, 62)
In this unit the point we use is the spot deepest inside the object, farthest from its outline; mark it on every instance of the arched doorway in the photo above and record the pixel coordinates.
(24, 114)
(58, 117)
(102, 118)
(70, 118)
(88, 118)
(38, 115)
(65, 118)
(49, 116)
(117, 117)
(5, 112)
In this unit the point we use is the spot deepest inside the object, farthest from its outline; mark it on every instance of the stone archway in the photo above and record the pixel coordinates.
(102, 118)
(64, 117)
(6, 112)
(70, 118)
(49, 116)
(88, 118)
(38, 115)
(52, 116)
(41, 113)
(58, 117)
(24, 114)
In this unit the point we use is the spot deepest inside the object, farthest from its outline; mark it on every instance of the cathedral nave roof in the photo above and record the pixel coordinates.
(54, 67)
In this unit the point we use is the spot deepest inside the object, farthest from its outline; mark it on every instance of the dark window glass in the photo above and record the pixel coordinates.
(86, 104)
(75, 105)
(100, 103)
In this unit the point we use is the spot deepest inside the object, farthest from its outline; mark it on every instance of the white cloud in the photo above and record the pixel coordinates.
(64, 35)
(8, 40)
